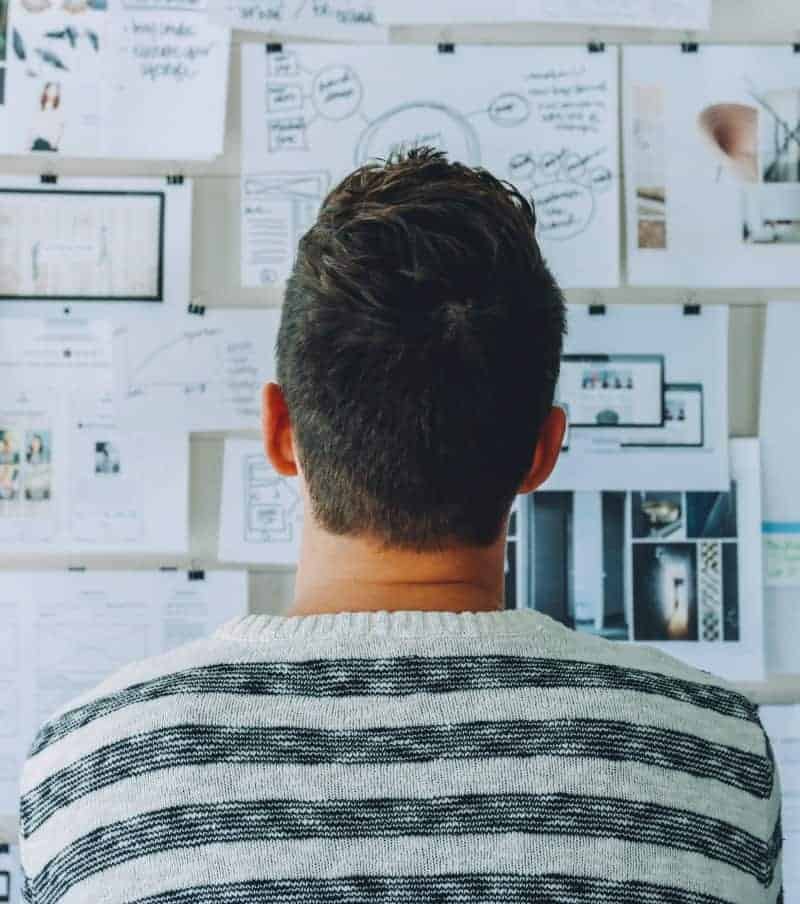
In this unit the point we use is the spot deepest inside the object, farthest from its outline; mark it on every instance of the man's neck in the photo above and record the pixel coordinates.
(346, 574)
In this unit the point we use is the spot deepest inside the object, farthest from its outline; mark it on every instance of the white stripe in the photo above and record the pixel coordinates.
(511, 853)
(419, 709)
(188, 785)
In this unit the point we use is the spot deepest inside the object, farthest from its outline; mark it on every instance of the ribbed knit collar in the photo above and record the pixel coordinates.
(403, 623)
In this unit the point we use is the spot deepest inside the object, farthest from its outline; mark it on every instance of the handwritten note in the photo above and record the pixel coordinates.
(544, 119)
(781, 556)
(132, 78)
(333, 19)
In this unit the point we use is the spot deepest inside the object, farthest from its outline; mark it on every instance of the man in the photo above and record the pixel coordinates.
(397, 737)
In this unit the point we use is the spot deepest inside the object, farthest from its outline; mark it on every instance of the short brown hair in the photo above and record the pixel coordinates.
(418, 352)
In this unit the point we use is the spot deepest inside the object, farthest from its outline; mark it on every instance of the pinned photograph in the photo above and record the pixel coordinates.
(657, 515)
(37, 479)
(10, 445)
(665, 591)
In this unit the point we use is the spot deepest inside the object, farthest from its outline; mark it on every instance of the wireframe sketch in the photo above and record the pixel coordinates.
(543, 120)
(271, 505)
(80, 244)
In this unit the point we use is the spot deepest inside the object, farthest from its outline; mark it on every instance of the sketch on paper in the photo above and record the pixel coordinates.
(713, 145)
(262, 512)
(544, 121)
(129, 79)
(653, 566)
(646, 399)
(71, 244)
(272, 504)
(196, 373)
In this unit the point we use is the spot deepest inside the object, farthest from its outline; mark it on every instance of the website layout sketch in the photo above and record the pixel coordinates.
(542, 119)
(114, 79)
(262, 512)
(645, 388)
(613, 390)
(672, 568)
(194, 373)
(712, 141)
(331, 19)
(66, 244)
(277, 209)
(271, 504)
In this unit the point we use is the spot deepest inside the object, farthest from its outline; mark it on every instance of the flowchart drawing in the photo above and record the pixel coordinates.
(543, 119)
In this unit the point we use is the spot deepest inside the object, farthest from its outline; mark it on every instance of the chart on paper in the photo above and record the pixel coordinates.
(544, 119)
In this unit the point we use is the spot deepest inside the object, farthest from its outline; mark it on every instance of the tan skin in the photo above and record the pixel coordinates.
(356, 574)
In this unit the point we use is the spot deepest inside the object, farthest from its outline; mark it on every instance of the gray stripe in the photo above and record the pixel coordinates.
(466, 889)
(271, 820)
(396, 677)
(203, 744)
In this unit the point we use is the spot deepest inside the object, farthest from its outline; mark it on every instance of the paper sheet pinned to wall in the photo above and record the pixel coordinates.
(65, 632)
(115, 78)
(779, 427)
(70, 480)
(194, 373)
(682, 14)
(645, 388)
(544, 118)
(262, 513)
(712, 150)
(782, 724)
(113, 241)
(343, 20)
(674, 569)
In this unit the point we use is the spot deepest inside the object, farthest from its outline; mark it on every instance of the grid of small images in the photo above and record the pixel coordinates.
(25, 472)
(642, 566)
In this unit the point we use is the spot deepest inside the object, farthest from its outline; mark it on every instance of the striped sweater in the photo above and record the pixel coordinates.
(412, 757)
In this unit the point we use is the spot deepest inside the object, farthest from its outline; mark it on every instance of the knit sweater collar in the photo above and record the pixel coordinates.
(401, 623)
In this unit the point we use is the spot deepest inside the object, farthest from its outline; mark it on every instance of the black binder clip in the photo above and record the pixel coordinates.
(196, 575)
(76, 569)
(446, 47)
(198, 309)
(691, 310)
(177, 179)
(275, 47)
(796, 48)
(597, 310)
(48, 178)
(689, 47)
(596, 47)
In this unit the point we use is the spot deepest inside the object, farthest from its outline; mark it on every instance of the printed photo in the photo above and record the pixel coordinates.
(10, 455)
(683, 419)
(665, 591)
(712, 515)
(3, 31)
(37, 468)
(657, 515)
(649, 166)
(577, 560)
(106, 458)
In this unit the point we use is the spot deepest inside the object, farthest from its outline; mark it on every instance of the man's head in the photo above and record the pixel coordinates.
(418, 354)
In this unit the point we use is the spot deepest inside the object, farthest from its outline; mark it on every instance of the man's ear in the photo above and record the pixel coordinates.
(548, 448)
(277, 430)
